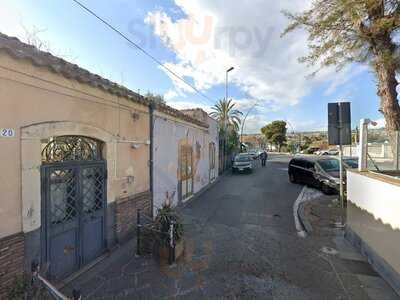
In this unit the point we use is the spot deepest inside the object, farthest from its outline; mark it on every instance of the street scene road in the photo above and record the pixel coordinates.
(182, 149)
(242, 243)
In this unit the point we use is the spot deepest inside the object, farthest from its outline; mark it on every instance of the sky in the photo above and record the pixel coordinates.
(200, 40)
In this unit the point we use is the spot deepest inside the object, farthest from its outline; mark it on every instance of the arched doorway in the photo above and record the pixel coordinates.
(73, 181)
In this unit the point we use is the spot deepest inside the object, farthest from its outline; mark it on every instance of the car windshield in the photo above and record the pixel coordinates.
(352, 163)
(329, 165)
(242, 158)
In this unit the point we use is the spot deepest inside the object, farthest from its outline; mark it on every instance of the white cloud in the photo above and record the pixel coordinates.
(381, 123)
(254, 123)
(217, 34)
(188, 105)
(344, 78)
(305, 125)
(170, 94)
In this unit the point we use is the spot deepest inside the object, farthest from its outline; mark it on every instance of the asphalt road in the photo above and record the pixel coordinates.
(240, 243)
(253, 251)
(262, 198)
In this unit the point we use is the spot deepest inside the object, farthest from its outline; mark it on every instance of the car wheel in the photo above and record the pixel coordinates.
(326, 189)
(292, 178)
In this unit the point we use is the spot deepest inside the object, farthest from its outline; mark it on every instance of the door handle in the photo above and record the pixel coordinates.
(68, 250)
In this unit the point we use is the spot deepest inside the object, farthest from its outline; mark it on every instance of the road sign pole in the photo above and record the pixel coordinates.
(341, 190)
(341, 176)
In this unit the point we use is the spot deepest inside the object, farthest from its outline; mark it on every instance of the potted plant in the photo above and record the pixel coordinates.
(167, 215)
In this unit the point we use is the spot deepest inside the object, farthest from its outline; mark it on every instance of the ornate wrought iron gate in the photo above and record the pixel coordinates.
(74, 214)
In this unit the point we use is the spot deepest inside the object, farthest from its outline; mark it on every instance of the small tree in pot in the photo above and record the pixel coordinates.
(167, 215)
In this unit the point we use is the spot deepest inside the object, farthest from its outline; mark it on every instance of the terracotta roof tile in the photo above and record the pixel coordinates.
(19, 50)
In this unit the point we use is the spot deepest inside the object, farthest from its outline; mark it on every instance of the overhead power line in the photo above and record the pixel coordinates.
(141, 49)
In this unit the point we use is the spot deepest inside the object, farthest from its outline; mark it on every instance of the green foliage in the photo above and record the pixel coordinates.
(165, 215)
(233, 141)
(360, 31)
(227, 116)
(19, 288)
(229, 120)
(157, 99)
(291, 147)
(275, 133)
(343, 31)
(307, 141)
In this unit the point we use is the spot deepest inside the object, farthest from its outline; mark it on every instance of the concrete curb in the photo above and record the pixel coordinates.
(302, 217)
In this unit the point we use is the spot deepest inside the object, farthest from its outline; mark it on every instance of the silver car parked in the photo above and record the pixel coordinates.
(243, 162)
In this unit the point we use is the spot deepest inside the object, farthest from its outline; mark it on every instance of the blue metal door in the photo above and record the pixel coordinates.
(74, 195)
(93, 211)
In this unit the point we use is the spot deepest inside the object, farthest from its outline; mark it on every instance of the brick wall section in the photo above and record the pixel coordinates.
(125, 214)
(11, 261)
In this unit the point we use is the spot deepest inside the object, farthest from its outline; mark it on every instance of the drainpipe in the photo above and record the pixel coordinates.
(151, 162)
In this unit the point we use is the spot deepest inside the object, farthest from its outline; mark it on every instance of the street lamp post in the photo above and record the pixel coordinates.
(226, 82)
(243, 123)
(225, 117)
(287, 122)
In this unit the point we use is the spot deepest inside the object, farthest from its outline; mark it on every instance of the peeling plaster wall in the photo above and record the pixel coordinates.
(39, 104)
(169, 133)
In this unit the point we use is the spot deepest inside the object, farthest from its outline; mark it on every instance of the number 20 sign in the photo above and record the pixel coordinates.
(7, 132)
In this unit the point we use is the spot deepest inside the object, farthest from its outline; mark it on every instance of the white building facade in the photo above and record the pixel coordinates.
(185, 156)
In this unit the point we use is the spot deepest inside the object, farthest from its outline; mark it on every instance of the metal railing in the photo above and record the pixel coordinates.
(40, 283)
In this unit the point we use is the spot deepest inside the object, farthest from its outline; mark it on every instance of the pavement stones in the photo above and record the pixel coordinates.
(359, 279)
(241, 243)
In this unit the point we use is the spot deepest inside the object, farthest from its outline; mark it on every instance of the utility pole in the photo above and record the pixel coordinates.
(341, 190)
(243, 123)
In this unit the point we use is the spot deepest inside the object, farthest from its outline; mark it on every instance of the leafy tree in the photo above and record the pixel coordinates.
(226, 114)
(232, 140)
(307, 141)
(292, 147)
(229, 120)
(275, 133)
(158, 99)
(361, 31)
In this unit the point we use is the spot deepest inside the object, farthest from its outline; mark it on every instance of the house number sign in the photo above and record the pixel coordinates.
(7, 132)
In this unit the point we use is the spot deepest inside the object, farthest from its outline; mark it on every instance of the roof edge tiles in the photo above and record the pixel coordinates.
(22, 51)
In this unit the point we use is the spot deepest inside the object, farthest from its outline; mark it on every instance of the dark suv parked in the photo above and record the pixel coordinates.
(318, 172)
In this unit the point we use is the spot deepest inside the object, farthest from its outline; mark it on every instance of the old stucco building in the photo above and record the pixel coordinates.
(76, 161)
(186, 154)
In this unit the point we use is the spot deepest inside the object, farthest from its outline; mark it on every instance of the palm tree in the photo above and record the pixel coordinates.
(229, 121)
(226, 115)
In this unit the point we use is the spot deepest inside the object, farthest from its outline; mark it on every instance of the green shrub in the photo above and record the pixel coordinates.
(165, 215)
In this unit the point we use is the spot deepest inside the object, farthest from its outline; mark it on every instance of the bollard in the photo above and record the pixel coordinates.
(34, 271)
(173, 241)
(171, 252)
(138, 231)
(76, 294)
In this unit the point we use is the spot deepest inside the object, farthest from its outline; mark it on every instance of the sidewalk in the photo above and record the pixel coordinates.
(319, 217)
